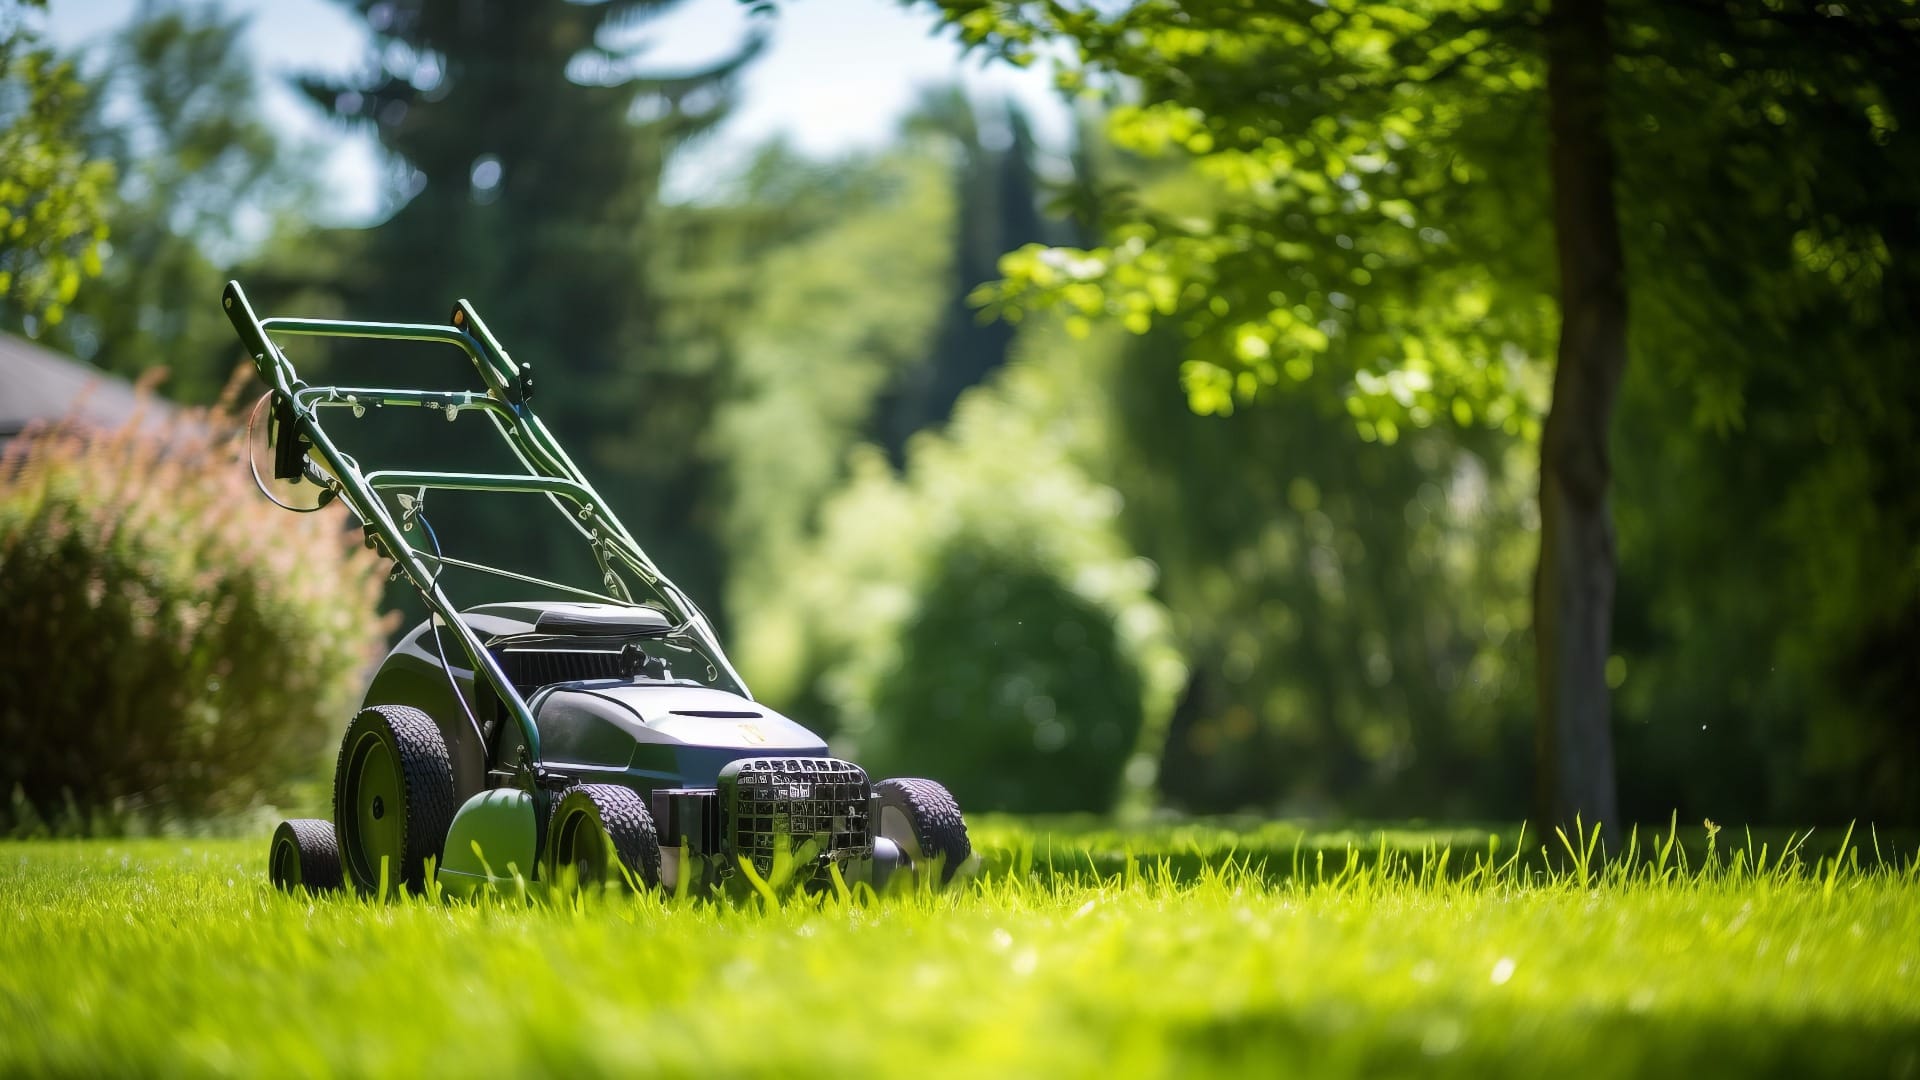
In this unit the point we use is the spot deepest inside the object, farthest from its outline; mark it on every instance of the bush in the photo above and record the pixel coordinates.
(172, 643)
(1011, 687)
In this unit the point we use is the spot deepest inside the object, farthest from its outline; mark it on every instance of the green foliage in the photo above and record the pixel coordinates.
(989, 515)
(832, 330)
(1770, 448)
(1369, 954)
(52, 191)
(1340, 617)
(820, 307)
(879, 632)
(173, 644)
(1346, 613)
(1349, 220)
(1362, 219)
(1349, 612)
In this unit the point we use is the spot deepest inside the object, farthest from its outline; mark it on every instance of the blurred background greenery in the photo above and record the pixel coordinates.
(965, 435)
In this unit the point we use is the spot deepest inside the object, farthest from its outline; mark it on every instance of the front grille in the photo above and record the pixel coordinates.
(530, 669)
(767, 802)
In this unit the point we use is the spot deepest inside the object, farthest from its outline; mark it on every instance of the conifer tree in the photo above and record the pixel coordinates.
(529, 138)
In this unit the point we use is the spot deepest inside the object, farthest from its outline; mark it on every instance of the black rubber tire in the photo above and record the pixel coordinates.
(423, 775)
(935, 832)
(591, 820)
(303, 855)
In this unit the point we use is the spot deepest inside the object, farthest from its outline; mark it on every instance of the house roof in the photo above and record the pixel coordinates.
(37, 383)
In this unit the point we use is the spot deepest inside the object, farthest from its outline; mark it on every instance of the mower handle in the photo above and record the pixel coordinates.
(498, 374)
(359, 494)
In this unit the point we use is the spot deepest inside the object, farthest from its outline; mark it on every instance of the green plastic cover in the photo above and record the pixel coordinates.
(493, 838)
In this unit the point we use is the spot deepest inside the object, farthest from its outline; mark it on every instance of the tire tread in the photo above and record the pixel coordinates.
(426, 778)
(627, 821)
(319, 853)
(935, 817)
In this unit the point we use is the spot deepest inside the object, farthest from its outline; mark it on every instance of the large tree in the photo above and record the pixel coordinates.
(1573, 587)
(1408, 205)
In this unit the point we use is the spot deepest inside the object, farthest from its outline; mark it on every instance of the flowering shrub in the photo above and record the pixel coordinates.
(170, 642)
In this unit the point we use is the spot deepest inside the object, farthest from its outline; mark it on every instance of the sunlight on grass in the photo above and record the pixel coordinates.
(1397, 952)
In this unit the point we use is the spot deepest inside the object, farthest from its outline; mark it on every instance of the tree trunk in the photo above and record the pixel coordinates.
(1573, 586)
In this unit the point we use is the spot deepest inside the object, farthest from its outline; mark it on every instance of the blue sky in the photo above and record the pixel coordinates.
(837, 76)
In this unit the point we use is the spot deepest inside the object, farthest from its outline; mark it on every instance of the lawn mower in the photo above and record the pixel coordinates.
(585, 737)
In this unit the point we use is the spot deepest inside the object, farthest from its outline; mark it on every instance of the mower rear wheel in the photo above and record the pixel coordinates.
(304, 855)
(393, 798)
(922, 818)
(604, 835)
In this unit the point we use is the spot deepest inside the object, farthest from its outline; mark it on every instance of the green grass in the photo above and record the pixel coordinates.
(1083, 951)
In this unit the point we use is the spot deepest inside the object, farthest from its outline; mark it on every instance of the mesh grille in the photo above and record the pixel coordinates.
(529, 669)
(769, 800)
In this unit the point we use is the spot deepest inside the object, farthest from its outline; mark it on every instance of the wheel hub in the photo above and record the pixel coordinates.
(370, 835)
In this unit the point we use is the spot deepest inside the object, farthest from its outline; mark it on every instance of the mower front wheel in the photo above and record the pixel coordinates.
(600, 835)
(393, 798)
(921, 817)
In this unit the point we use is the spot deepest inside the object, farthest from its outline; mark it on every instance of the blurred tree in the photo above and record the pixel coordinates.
(1771, 594)
(835, 313)
(1346, 609)
(968, 613)
(1574, 583)
(202, 179)
(832, 330)
(529, 139)
(996, 209)
(52, 191)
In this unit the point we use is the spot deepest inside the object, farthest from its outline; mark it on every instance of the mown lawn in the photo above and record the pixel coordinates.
(1269, 952)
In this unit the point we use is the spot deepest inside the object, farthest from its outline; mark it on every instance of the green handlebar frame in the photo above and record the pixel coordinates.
(504, 401)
